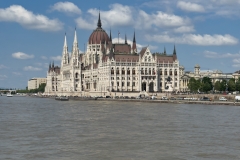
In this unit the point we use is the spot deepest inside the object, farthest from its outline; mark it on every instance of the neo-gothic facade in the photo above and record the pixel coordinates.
(112, 67)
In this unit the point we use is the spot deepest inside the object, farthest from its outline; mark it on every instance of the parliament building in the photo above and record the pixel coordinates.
(108, 68)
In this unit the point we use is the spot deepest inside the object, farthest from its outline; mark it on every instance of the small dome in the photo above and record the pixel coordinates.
(197, 66)
(98, 36)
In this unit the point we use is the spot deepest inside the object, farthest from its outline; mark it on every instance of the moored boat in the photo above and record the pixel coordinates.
(61, 98)
(9, 95)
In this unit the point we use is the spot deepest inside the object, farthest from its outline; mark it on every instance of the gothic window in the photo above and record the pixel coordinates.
(145, 59)
(165, 72)
(133, 71)
(123, 71)
(122, 84)
(117, 70)
(175, 72)
(128, 71)
(112, 71)
(149, 71)
(149, 59)
(133, 84)
(76, 75)
(145, 71)
(170, 73)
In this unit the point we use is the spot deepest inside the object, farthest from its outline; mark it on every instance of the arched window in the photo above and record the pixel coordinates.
(128, 71)
(76, 75)
(149, 72)
(165, 72)
(123, 71)
(170, 72)
(117, 72)
(133, 71)
(112, 71)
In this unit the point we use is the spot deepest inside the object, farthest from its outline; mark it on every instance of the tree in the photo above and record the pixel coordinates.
(223, 85)
(231, 85)
(206, 84)
(238, 84)
(193, 85)
(217, 86)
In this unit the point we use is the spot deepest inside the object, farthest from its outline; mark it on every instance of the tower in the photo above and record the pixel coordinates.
(134, 46)
(65, 56)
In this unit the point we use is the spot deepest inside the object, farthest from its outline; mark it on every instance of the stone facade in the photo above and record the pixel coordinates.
(112, 69)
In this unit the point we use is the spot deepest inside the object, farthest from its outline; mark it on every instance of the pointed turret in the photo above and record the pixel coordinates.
(65, 52)
(65, 41)
(134, 46)
(110, 38)
(125, 39)
(99, 24)
(174, 50)
(53, 64)
(75, 36)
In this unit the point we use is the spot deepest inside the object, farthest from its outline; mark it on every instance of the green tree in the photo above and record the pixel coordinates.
(231, 85)
(217, 86)
(223, 85)
(238, 84)
(206, 84)
(41, 87)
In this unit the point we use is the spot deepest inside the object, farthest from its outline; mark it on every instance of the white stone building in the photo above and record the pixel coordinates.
(107, 69)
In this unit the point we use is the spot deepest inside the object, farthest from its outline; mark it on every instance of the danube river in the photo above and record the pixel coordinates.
(42, 128)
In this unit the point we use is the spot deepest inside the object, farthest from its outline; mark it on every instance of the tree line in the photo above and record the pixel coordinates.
(205, 85)
(41, 88)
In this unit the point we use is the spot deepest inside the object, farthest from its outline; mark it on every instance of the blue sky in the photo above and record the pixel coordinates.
(205, 32)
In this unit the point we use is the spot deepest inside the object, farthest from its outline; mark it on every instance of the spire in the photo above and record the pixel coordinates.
(134, 40)
(134, 45)
(65, 41)
(164, 50)
(99, 24)
(53, 64)
(174, 51)
(110, 36)
(75, 36)
(125, 39)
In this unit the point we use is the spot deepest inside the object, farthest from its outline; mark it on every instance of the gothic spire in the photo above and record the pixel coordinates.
(65, 41)
(99, 24)
(110, 36)
(125, 39)
(134, 40)
(75, 36)
(174, 51)
(164, 50)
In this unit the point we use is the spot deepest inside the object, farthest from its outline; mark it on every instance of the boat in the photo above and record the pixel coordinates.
(61, 98)
(9, 95)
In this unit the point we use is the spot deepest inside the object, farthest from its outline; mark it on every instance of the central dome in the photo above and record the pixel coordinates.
(98, 35)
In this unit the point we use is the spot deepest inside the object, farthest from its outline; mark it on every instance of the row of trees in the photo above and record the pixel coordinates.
(205, 85)
(41, 88)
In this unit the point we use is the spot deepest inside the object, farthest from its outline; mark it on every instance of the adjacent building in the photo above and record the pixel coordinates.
(35, 82)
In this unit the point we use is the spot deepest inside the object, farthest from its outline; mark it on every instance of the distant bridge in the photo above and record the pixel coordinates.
(8, 90)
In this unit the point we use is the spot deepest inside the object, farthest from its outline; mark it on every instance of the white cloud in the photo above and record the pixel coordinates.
(31, 68)
(184, 29)
(190, 7)
(21, 55)
(118, 15)
(67, 7)
(195, 39)
(44, 57)
(17, 73)
(3, 77)
(210, 54)
(56, 58)
(2, 66)
(84, 24)
(18, 14)
(160, 19)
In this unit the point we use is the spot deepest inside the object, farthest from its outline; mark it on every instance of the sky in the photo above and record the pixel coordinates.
(205, 32)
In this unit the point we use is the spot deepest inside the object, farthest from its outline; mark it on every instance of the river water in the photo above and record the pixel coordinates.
(42, 128)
